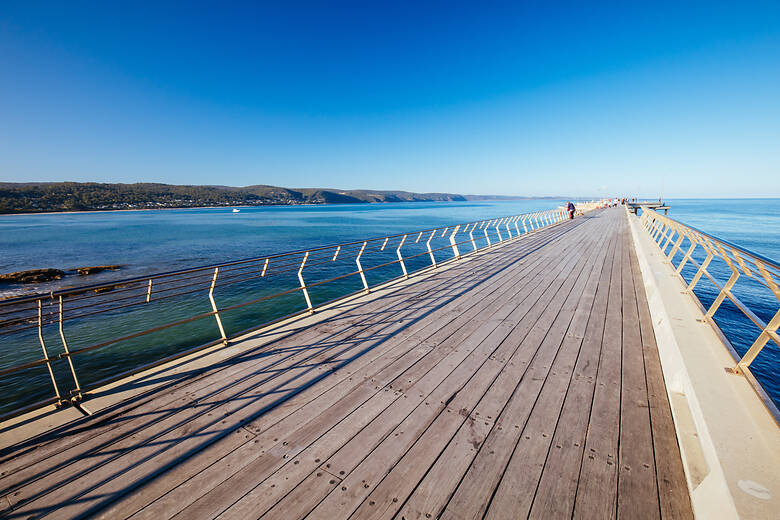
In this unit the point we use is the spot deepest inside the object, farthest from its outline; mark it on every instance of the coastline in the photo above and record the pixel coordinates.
(73, 212)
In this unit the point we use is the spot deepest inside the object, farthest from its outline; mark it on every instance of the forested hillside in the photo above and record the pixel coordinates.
(72, 196)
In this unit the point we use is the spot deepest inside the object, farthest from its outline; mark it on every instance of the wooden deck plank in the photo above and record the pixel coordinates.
(597, 485)
(515, 493)
(675, 501)
(375, 465)
(159, 425)
(472, 497)
(414, 394)
(232, 485)
(348, 452)
(637, 488)
(432, 494)
(557, 487)
(408, 472)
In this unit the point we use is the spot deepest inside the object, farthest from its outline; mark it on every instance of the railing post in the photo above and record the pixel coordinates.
(428, 245)
(508, 231)
(45, 353)
(525, 229)
(668, 234)
(769, 332)
(726, 290)
(401, 258)
(676, 246)
(77, 390)
(303, 284)
(265, 267)
(701, 270)
(471, 236)
(148, 292)
(654, 228)
(643, 219)
(517, 228)
(486, 234)
(498, 231)
(455, 251)
(658, 231)
(360, 267)
(688, 254)
(214, 306)
(673, 230)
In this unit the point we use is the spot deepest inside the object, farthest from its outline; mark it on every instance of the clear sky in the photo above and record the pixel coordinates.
(522, 98)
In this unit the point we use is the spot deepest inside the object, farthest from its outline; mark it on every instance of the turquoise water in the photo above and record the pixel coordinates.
(156, 241)
(147, 242)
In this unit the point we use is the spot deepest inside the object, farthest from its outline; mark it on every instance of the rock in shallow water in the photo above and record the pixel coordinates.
(83, 271)
(32, 276)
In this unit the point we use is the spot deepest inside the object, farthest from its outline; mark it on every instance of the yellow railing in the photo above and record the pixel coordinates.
(674, 238)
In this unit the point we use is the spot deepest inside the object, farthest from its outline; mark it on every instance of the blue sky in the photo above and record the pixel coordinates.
(541, 98)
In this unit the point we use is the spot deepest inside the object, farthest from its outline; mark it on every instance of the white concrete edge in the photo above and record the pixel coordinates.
(684, 405)
(119, 393)
(714, 490)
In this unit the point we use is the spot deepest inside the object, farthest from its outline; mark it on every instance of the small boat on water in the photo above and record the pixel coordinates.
(236, 210)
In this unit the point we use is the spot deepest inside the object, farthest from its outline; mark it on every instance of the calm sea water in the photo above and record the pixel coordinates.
(154, 241)
(147, 242)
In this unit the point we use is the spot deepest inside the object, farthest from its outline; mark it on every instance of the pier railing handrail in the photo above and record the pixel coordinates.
(670, 235)
(48, 309)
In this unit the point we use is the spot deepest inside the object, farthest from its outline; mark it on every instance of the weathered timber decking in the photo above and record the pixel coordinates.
(524, 382)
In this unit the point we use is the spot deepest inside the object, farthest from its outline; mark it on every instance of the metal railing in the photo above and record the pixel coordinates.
(674, 238)
(104, 310)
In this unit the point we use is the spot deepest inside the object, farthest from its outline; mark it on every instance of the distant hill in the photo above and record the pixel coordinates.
(75, 196)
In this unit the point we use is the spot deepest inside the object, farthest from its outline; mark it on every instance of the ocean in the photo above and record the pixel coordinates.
(154, 241)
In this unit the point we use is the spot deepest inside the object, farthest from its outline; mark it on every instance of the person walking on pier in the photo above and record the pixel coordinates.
(571, 209)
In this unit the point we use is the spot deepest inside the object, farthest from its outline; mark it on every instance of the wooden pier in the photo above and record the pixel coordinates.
(654, 205)
(521, 382)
